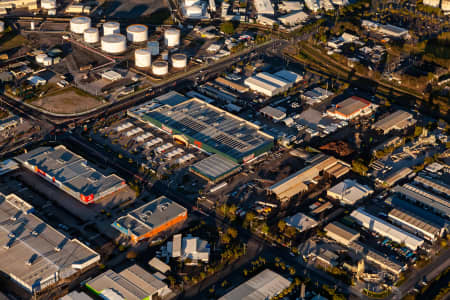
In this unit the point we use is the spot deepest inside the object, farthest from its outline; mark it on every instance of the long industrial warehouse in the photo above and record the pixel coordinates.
(386, 229)
(71, 173)
(33, 253)
(208, 127)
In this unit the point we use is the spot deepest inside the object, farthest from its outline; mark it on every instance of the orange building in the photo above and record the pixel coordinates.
(151, 219)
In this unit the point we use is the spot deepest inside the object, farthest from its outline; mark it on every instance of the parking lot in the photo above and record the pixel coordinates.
(150, 147)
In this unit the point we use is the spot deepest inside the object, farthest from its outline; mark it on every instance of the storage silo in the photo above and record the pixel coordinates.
(47, 61)
(79, 24)
(137, 33)
(172, 37)
(114, 43)
(111, 28)
(153, 46)
(91, 35)
(142, 58)
(160, 68)
(179, 61)
(40, 58)
(48, 4)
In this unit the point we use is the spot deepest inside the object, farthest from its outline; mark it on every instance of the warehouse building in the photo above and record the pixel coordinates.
(289, 76)
(151, 219)
(7, 166)
(386, 229)
(301, 222)
(71, 173)
(393, 31)
(231, 85)
(262, 286)
(377, 258)
(433, 184)
(264, 7)
(397, 202)
(341, 233)
(348, 192)
(413, 223)
(273, 113)
(393, 178)
(188, 247)
(133, 283)
(268, 84)
(351, 108)
(294, 18)
(214, 168)
(424, 198)
(208, 127)
(299, 181)
(398, 120)
(34, 254)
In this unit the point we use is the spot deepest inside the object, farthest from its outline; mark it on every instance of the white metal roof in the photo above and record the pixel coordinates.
(386, 229)
(264, 285)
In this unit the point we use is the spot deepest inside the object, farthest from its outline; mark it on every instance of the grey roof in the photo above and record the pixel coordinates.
(263, 286)
(396, 120)
(171, 98)
(211, 126)
(34, 241)
(75, 295)
(214, 166)
(70, 169)
(438, 204)
(351, 105)
(133, 283)
(150, 216)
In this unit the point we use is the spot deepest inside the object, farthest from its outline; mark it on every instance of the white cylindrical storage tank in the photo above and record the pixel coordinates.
(153, 46)
(194, 11)
(190, 2)
(80, 24)
(91, 35)
(165, 55)
(40, 58)
(2, 26)
(179, 60)
(32, 25)
(160, 68)
(114, 43)
(48, 4)
(111, 28)
(172, 37)
(143, 58)
(47, 61)
(137, 33)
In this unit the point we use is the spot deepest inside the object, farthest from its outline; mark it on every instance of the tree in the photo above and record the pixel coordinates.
(232, 232)
(172, 280)
(131, 254)
(227, 27)
(418, 131)
(265, 228)
(226, 239)
(292, 270)
(281, 225)
(358, 166)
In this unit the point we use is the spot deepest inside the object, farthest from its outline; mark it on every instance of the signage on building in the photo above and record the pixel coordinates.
(248, 157)
(87, 199)
(165, 128)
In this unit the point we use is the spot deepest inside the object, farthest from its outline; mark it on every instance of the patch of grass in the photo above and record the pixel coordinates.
(10, 40)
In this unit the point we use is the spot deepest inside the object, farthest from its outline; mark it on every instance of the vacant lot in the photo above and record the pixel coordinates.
(68, 101)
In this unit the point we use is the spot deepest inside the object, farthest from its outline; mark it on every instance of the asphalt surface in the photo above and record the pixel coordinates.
(431, 270)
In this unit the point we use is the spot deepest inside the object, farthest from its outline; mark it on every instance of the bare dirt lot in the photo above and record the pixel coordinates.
(68, 101)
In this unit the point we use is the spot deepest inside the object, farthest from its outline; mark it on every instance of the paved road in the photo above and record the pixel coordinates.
(430, 271)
